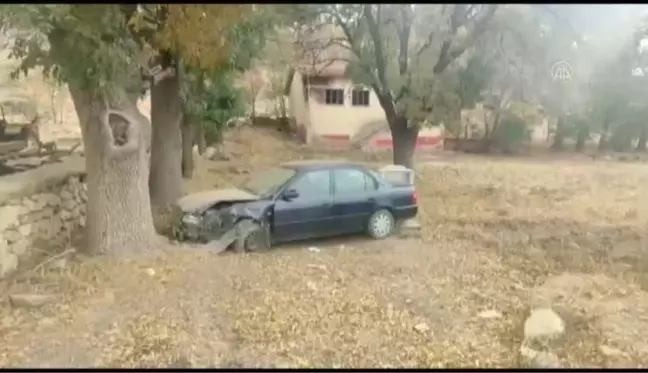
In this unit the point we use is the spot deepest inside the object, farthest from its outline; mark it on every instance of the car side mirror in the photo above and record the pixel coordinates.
(290, 194)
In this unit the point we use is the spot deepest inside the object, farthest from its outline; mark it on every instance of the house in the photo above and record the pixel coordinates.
(326, 106)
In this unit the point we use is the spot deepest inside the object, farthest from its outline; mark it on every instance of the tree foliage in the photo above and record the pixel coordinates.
(64, 40)
(207, 89)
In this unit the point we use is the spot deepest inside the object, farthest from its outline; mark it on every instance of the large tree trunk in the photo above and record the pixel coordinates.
(559, 137)
(200, 140)
(583, 133)
(643, 138)
(187, 147)
(603, 139)
(165, 180)
(403, 141)
(621, 139)
(116, 139)
(282, 106)
(254, 100)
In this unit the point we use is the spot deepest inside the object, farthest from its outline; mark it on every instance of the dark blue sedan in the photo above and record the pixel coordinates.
(295, 201)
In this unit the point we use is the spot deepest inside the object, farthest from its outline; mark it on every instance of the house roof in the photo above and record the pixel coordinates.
(333, 69)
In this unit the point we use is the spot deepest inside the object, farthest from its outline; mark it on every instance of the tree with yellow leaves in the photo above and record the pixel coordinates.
(108, 55)
(192, 37)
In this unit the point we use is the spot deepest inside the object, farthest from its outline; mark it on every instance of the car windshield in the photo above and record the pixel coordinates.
(266, 183)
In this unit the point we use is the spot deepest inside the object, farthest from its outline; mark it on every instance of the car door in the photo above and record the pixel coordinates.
(309, 214)
(354, 193)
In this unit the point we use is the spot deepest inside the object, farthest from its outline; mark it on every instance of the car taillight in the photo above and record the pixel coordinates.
(415, 198)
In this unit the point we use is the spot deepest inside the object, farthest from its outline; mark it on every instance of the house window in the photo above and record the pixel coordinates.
(334, 97)
(360, 97)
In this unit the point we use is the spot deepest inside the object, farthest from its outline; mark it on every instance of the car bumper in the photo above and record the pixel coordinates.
(406, 212)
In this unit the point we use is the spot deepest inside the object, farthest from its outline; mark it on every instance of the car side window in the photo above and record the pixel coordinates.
(314, 184)
(351, 181)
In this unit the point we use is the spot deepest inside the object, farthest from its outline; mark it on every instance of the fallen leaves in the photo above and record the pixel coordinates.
(491, 230)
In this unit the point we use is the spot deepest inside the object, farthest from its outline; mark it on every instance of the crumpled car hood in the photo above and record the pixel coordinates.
(203, 200)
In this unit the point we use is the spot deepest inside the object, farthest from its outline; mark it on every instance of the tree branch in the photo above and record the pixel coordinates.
(353, 46)
(379, 51)
(448, 54)
(404, 33)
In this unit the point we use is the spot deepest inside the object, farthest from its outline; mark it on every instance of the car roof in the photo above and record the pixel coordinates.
(314, 164)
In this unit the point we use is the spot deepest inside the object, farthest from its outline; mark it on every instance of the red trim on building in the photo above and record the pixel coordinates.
(384, 142)
(421, 142)
(337, 137)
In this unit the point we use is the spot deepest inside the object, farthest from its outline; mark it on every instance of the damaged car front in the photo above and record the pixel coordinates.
(229, 215)
(203, 217)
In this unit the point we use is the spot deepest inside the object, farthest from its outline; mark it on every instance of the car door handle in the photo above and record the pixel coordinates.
(372, 200)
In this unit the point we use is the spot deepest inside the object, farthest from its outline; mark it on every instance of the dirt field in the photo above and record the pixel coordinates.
(501, 236)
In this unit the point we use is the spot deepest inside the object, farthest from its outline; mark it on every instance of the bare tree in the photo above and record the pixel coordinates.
(399, 51)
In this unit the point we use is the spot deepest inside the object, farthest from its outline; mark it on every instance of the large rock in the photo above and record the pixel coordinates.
(543, 326)
(614, 308)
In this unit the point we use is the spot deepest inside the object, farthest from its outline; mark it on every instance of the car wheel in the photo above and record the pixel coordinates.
(381, 224)
(255, 239)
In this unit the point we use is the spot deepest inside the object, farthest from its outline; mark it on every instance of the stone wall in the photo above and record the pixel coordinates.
(40, 211)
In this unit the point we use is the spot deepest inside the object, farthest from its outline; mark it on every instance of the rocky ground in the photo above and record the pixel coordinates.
(519, 264)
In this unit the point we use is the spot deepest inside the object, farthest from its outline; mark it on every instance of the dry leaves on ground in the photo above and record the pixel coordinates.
(493, 231)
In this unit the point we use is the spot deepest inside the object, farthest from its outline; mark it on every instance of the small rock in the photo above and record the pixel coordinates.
(150, 272)
(422, 327)
(311, 285)
(25, 230)
(58, 264)
(12, 236)
(611, 351)
(181, 362)
(490, 314)
(20, 247)
(210, 152)
(30, 300)
(9, 216)
(47, 321)
(518, 286)
(538, 359)
(321, 267)
(543, 325)
(8, 260)
(66, 195)
(314, 249)
(545, 360)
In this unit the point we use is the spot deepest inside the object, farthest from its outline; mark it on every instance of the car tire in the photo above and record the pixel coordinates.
(381, 224)
(255, 238)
